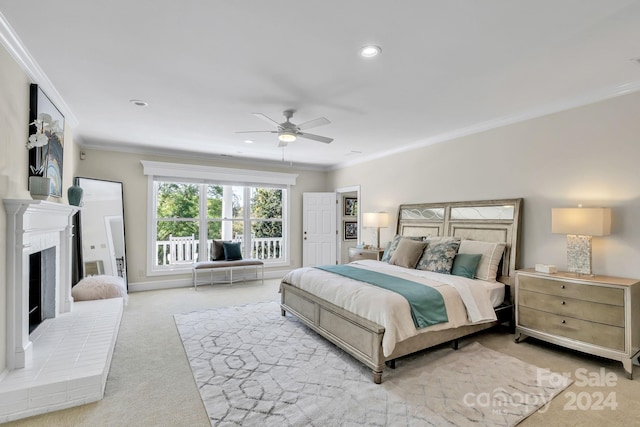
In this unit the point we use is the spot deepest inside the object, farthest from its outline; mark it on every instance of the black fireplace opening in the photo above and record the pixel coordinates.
(42, 287)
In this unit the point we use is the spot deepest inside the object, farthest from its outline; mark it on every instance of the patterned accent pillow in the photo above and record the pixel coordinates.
(393, 245)
(438, 257)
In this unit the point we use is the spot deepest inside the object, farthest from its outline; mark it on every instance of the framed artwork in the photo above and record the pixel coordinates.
(350, 206)
(46, 160)
(350, 230)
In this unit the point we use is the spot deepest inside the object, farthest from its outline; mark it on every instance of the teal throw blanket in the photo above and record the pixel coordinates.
(427, 304)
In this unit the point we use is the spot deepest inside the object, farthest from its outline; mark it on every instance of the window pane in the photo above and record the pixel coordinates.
(178, 200)
(238, 202)
(266, 239)
(214, 201)
(177, 242)
(266, 203)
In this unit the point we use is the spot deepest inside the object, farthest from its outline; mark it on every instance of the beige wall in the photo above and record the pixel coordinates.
(14, 121)
(127, 168)
(587, 155)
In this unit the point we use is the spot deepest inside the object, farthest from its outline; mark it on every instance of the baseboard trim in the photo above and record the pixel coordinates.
(187, 282)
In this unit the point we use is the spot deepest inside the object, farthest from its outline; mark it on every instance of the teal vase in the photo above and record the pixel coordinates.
(74, 194)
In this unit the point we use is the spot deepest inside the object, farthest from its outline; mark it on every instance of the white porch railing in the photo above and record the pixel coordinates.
(170, 252)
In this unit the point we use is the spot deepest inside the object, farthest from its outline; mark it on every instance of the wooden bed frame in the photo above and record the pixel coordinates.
(487, 220)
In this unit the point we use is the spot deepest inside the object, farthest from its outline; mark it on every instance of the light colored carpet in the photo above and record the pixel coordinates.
(255, 367)
(151, 384)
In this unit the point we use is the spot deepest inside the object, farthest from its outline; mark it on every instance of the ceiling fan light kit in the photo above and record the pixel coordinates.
(290, 132)
(287, 137)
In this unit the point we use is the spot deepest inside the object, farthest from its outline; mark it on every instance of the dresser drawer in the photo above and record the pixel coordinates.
(601, 294)
(569, 327)
(579, 309)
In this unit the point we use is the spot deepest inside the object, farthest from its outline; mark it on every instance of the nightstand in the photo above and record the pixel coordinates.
(374, 253)
(599, 315)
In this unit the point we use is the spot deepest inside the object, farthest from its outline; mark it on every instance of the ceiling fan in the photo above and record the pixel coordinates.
(289, 132)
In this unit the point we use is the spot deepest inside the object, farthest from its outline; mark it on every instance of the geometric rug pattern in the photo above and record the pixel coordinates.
(256, 367)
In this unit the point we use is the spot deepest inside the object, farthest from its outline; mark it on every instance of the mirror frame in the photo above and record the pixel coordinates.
(78, 267)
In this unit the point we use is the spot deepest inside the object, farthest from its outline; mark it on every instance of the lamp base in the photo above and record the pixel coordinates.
(579, 254)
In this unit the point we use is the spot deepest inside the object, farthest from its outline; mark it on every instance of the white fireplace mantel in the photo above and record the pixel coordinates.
(32, 226)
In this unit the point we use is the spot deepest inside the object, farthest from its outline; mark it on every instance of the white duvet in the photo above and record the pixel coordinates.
(466, 300)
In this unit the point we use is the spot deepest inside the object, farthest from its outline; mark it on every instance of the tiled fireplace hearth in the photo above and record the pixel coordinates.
(64, 362)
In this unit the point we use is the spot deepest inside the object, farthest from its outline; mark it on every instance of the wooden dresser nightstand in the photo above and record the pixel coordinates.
(374, 253)
(599, 315)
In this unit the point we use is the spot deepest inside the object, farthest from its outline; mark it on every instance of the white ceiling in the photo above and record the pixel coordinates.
(447, 68)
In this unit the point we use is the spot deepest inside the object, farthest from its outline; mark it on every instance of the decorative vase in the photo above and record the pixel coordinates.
(74, 194)
(40, 187)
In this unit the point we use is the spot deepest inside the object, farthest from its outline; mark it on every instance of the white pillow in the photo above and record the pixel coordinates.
(100, 287)
(491, 254)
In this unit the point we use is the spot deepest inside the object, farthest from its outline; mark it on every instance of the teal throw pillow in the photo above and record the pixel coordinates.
(465, 265)
(232, 251)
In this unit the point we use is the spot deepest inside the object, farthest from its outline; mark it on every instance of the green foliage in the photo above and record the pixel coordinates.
(266, 203)
(177, 200)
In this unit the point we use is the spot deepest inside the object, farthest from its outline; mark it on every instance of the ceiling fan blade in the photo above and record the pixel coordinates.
(320, 121)
(266, 119)
(257, 131)
(315, 137)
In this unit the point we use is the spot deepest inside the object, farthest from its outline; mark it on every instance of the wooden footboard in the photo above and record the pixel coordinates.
(358, 336)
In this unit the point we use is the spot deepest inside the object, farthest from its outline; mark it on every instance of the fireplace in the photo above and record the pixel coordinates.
(38, 244)
(66, 353)
(42, 287)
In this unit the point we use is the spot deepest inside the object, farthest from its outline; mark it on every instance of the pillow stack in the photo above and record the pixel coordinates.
(226, 251)
(446, 255)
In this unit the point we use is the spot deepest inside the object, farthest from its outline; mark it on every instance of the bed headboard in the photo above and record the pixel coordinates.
(485, 220)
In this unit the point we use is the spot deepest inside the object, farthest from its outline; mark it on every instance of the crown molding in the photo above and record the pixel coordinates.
(189, 155)
(10, 40)
(552, 108)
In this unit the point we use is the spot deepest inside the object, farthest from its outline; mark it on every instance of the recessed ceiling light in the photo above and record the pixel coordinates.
(138, 103)
(248, 141)
(370, 51)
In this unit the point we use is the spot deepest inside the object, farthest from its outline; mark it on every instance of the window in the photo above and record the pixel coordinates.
(187, 214)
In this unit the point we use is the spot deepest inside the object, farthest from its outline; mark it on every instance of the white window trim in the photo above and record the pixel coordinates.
(199, 173)
(219, 175)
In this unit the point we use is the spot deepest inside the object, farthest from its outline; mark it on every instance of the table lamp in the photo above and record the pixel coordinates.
(580, 224)
(376, 220)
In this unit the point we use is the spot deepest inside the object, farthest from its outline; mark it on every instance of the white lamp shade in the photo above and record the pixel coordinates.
(581, 221)
(375, 219)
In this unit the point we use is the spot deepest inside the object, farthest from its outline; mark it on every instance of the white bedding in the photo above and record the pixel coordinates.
(466, 300)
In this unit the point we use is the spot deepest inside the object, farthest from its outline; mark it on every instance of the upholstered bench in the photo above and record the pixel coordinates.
(226, 266)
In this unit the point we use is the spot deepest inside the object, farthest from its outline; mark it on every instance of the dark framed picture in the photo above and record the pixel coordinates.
(45, 152)
(350, 230)
(350, 206)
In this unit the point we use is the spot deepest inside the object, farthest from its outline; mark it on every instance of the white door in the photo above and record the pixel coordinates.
(319, 229)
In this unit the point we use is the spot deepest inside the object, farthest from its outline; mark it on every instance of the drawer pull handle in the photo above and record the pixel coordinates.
(561, 286)
(563, 303)
(564, 321)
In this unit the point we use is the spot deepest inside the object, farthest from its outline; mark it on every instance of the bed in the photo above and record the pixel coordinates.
(322, 300)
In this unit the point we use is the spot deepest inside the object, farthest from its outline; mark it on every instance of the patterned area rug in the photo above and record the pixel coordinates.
(255, 367)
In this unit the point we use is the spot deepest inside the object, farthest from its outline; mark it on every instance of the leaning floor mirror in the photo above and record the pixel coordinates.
(100, 229)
